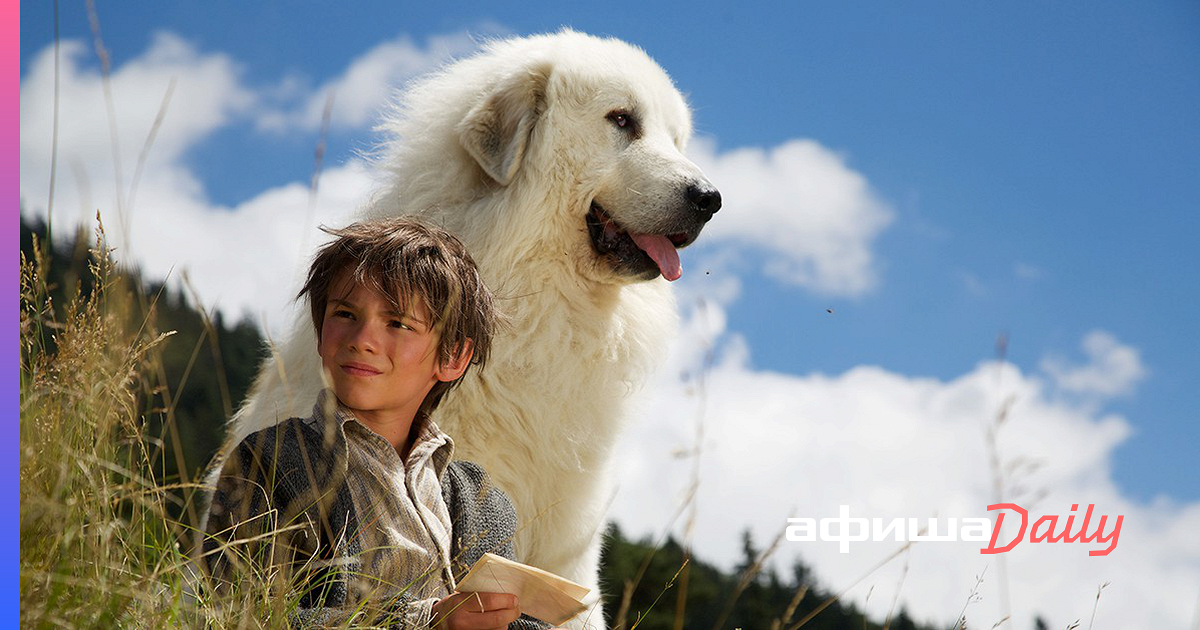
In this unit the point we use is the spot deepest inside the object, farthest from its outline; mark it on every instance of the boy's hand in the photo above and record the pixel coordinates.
(476, 611)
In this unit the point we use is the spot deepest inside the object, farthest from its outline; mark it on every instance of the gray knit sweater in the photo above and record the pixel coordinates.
(292, 477)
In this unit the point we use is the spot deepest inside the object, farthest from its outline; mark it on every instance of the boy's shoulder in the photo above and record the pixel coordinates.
(292, 443)
(283, 434)
(470, 493)
(467, 473)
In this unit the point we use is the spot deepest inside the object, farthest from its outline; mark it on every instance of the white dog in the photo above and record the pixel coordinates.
(558, 160)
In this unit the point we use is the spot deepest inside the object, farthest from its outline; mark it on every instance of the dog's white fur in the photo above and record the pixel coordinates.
(507, 149)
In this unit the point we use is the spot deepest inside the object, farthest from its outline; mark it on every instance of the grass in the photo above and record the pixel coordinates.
(96, 546)
(99, 545)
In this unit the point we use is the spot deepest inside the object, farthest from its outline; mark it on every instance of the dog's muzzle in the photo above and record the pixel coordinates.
(646, 255)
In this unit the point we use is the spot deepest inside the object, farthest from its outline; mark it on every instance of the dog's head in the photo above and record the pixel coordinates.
(595, 128)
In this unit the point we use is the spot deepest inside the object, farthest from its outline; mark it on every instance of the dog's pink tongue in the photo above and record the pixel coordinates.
(662, 251)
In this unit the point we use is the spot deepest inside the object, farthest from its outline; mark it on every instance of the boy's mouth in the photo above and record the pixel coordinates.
(359, 369)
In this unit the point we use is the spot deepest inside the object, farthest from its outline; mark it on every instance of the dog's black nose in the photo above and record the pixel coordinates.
(706, 199)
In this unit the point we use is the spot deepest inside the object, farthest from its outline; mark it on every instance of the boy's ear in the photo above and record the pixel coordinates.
(457, 365)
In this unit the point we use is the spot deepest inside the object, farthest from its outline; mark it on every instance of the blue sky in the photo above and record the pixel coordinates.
(1038, 163)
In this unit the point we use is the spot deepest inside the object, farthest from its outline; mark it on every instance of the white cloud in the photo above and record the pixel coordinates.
(1026, 271)
(890, 445)
(814, 216)
(369, 81)
(972, 283)
(242, 259)
(205, 94)
(1113, 369)
(245, 259)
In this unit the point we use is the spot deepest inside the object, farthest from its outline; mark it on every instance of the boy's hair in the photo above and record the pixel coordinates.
(402, 259)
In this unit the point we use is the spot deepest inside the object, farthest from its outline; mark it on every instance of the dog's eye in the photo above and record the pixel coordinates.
(624, 120)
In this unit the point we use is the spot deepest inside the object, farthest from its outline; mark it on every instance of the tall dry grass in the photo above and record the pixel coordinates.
(99, 545)
(96, 546)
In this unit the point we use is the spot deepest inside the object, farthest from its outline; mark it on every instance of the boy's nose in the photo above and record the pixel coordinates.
(362, 339)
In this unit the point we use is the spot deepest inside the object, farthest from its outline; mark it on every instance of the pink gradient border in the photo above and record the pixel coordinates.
(10, 187)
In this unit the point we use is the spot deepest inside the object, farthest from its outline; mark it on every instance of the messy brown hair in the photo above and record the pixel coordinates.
(403, 259)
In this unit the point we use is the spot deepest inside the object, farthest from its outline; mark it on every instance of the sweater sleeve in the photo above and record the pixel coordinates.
(483, 520)
(236, 534)
(269, 516)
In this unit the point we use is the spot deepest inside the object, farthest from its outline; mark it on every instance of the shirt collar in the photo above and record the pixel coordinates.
(428, 443)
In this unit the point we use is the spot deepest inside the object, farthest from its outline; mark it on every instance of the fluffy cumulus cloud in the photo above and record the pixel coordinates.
(369, 81)
(243, 258)
(1112, 369)
(799, 202)
(889, 445)
(171, 70)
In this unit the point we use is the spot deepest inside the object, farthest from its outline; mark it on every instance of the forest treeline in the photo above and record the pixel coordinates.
(206, 368)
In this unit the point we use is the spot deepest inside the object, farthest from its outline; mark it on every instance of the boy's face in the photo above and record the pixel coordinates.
(382, 363)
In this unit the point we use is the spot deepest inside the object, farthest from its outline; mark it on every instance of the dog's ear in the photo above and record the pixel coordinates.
(496, 130)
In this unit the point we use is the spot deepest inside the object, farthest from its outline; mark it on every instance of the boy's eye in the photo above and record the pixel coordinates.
(341, 312)
(399, 324)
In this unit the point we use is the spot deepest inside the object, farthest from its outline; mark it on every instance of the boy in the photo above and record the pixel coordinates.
(366, 512)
